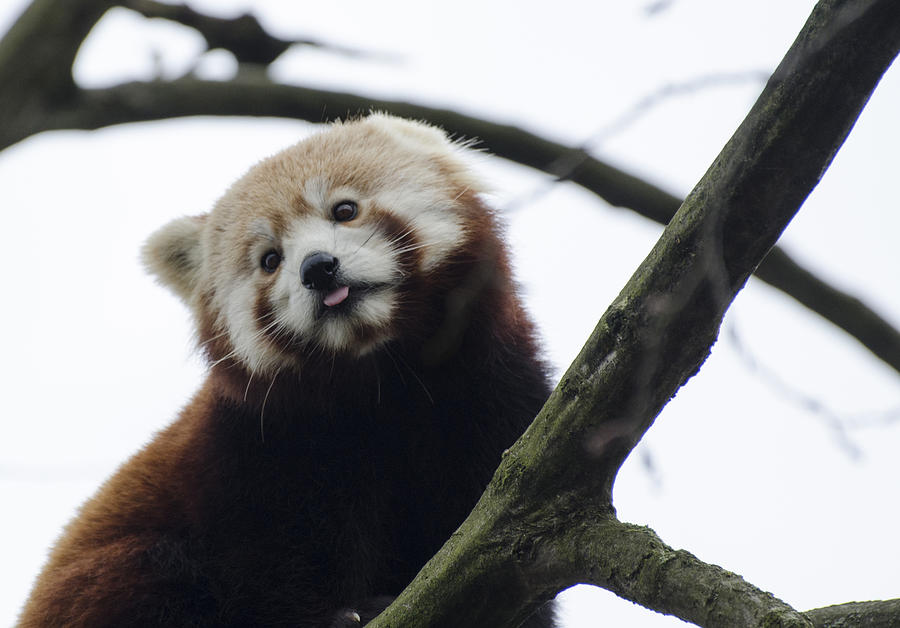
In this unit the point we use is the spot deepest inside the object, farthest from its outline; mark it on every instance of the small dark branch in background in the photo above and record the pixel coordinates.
(36, 57)
(842, 309)
(659, 6)
(835, 421)
(574, 159)
(810, 404)
(869, 420)
(648, 462)
(243, 36)
(666, 92)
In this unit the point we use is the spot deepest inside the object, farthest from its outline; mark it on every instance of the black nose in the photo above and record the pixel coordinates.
(317, 271)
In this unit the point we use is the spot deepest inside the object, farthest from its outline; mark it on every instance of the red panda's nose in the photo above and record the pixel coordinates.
(317, 270)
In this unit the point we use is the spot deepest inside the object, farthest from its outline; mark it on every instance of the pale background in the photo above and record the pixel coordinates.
(742, 472)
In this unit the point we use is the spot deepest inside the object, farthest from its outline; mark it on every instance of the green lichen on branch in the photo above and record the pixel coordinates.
(637, 565)
(653, 337)
(874, 614)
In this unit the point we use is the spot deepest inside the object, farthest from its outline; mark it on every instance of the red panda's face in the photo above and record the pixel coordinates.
(315, 249)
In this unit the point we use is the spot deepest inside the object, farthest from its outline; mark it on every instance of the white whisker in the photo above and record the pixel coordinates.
(247, 388)
(262, 410)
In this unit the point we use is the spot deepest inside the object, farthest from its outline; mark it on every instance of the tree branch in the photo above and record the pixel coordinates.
(37, 53)
(634, 563)
(557, 479)
(881, 614)
(243, 36)
(780, 271)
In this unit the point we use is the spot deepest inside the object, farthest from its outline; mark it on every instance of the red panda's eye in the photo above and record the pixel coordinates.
(270, 261)
(344, 211)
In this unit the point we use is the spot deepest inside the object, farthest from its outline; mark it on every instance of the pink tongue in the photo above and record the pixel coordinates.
(337, 296)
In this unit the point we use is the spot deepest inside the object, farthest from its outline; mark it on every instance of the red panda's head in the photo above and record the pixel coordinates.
(330, 247)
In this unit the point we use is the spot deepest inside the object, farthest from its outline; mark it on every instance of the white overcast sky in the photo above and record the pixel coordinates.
(743, 474)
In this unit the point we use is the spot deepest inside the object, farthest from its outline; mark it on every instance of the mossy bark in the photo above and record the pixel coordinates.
(546, 520)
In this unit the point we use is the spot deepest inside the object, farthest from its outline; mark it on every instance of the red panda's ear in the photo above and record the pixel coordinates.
(173, 255)
(425, 139)
(419, 134)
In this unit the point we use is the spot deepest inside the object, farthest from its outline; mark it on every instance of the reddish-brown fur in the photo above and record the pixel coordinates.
(278, 502)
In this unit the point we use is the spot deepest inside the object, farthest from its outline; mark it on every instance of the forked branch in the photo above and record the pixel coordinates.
(550, 504)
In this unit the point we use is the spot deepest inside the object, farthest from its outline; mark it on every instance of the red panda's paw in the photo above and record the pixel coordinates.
(360, 614)
(346, 618)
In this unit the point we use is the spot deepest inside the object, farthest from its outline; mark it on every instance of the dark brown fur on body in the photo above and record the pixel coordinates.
(281, 500)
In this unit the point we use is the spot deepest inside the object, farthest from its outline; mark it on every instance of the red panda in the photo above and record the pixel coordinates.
(369, 361)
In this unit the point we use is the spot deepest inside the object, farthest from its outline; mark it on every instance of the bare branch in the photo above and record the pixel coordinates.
(37, 53)
(813, 405)
(557, 479)
(634, 563)
(668, 91)
(880, 614)
(243, 36)
(658, 6)
(844, 310)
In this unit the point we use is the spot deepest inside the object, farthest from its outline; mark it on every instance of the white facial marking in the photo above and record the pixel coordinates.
(439, 229)
(377, 308)
(367, 263)
(365, 256)
(315, 192)
(245, 331)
